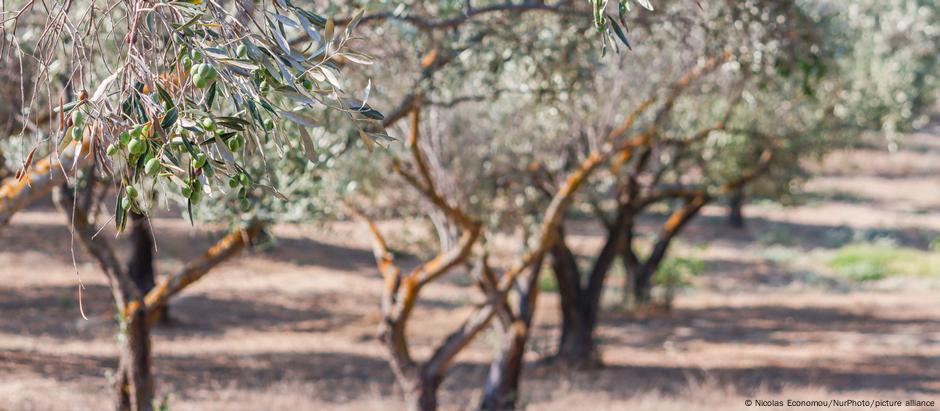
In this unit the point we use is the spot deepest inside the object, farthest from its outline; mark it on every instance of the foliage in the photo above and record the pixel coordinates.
(875, 261)
(187, 98)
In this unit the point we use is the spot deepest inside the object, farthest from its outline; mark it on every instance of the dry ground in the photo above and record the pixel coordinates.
(293, 327)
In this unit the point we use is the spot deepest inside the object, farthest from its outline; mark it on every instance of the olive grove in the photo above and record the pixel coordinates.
(491, 119)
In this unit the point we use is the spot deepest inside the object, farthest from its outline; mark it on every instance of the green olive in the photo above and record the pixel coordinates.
(245, 204)
(233, 143)
(208, 124)
(152, 167)
(195, 54)
(244, 180)
(131, 191)
(112, 149)
(186, 192)
(126, 203)
(137, 131)
(137, 146)
(200, 160)
(186, 63)
(200, 81)
(195, 197)
(233, 182)
(78, 118)
(124, 138)
(268, 125)
(308, 84)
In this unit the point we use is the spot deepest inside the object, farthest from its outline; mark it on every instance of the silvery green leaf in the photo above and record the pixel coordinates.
(299, 118)
(309, 149)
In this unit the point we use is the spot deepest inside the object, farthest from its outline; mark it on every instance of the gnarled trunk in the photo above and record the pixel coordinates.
(576, 346)
(501, 391)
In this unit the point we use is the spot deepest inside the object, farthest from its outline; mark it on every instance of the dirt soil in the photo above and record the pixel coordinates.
(293, 327)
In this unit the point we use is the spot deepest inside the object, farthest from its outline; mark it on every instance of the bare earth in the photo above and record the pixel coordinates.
(293, 327)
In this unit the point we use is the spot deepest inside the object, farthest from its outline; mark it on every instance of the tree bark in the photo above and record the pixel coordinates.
(501, 391)
(736, 209)
(140, 267)
(643, 285)
(134, 384)
(422, 394)
(576, 346)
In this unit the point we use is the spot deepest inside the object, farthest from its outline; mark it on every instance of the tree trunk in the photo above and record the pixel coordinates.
(501, 391)
(134, 383)
(576, 347)
(422, 394)
(736, 209)
(643, 283)
(140, 267)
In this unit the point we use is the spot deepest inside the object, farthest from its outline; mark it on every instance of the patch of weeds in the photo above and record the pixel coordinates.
(676, 272)
(881, 259)
(547, 282)
(781, 236)
(779, 254)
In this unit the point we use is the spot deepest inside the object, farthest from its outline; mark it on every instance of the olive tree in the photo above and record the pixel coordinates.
(174, 98)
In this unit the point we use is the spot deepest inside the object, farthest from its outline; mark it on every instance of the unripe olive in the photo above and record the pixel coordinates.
(197, 185)
(208, 124)
(196, 55)
(268, 124)
(186, 63)
(152, 167)
(126, 203)
(206, 70)
(233, 182)
(137, 146)
(131, 191)
(200, 81)
(137, 131)
(186, 192)
(244, 180)
(195, 197)
(233, 143)
(78, 118)
(200, 160)
(308, 84)
(245, 204)
(112, 149)
(124, 138)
